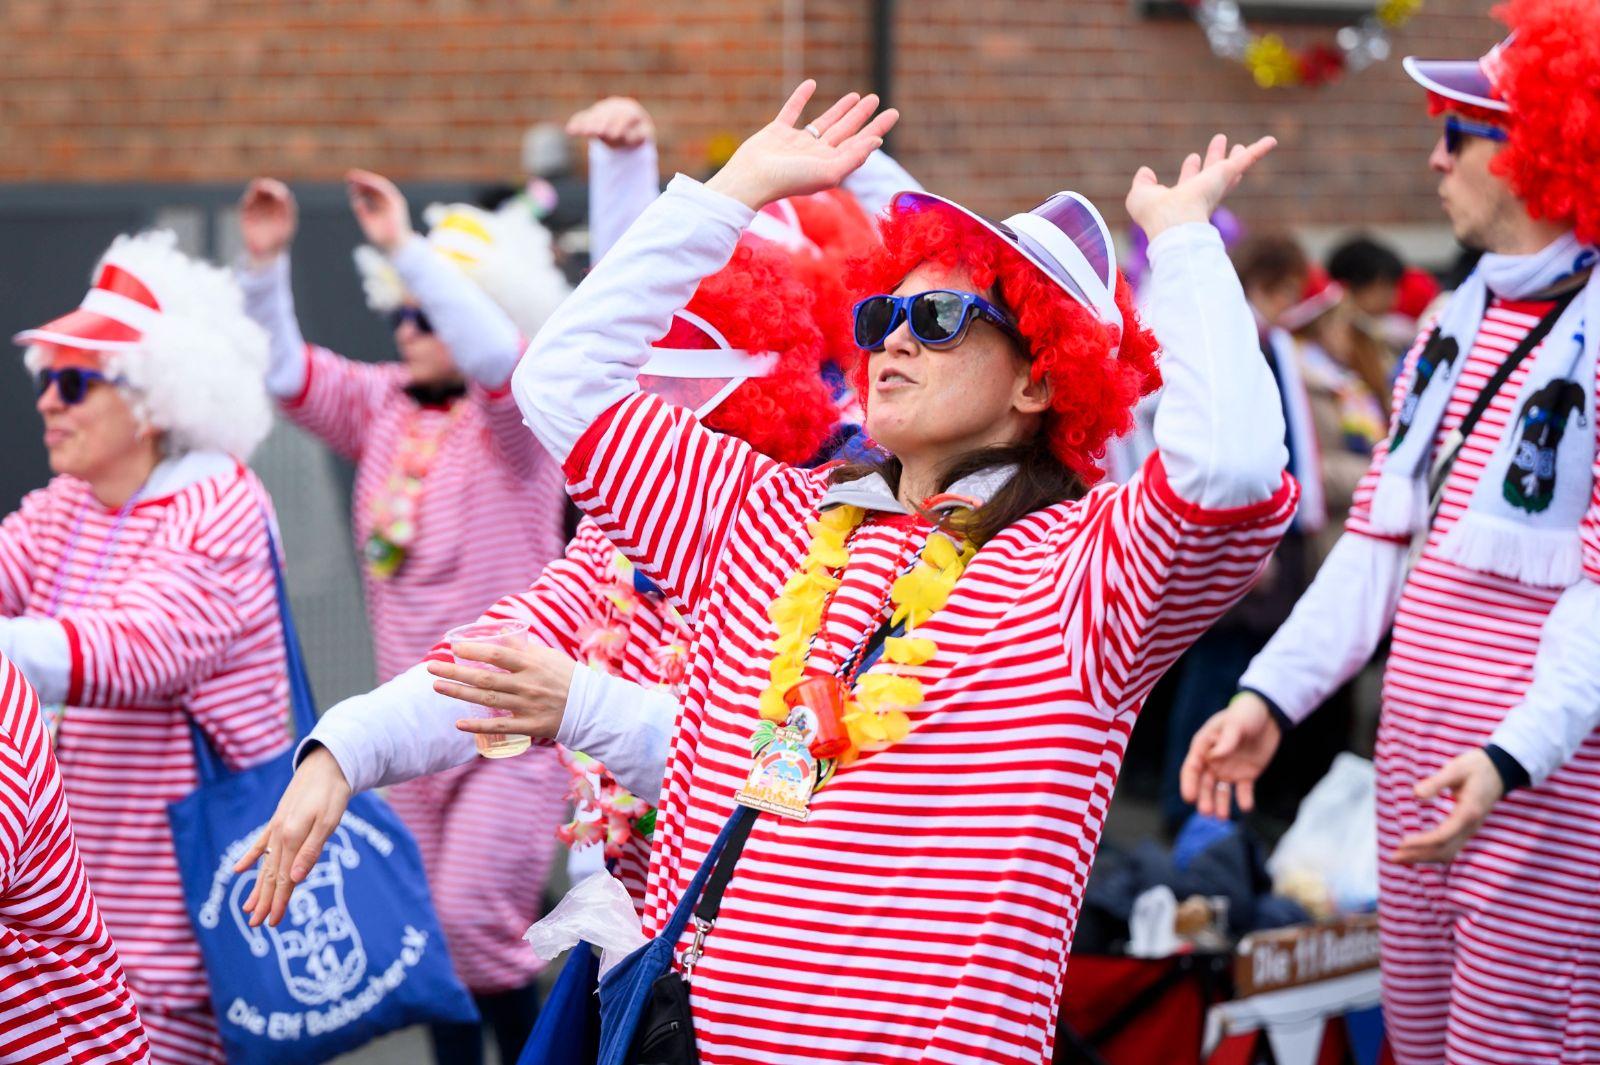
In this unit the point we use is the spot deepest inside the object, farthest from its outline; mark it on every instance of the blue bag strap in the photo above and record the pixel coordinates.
(302, 702)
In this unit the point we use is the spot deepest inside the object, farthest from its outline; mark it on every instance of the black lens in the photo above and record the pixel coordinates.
(874, 319)
(73, 384)
(43, 378)
(422, 320)
(936, 317)
(1452, 138)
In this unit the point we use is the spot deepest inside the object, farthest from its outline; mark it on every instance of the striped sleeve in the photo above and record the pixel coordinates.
(512, 444)
(173, 619)
(664, 489)
(1166, 570)
(18, 555)
(341, 399)
(63, 997)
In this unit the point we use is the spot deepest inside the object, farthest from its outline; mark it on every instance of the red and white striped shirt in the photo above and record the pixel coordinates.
(924, 909)
(62, 994)
(171, 617)
(560, 608)
(490, 514)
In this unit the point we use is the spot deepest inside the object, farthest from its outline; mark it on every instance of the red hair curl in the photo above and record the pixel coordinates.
(758, 304)
(1093, 392)
(842, 231)
(1552, 159)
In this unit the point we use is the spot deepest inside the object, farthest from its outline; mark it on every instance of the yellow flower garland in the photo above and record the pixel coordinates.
(876, 716)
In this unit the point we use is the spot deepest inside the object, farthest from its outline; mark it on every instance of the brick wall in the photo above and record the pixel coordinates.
(1005, 100)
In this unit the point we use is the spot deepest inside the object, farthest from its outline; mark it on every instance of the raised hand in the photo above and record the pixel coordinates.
(533, 689)
(1228, 754)
(782, 159)
(616, 122)
(268, 218)
(1201, 187)
(312, 804)
(380, 209)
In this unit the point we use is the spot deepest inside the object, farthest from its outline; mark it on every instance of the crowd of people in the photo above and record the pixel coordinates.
(893, 516)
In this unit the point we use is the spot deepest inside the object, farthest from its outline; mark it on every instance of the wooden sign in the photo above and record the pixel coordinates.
(1304, 953)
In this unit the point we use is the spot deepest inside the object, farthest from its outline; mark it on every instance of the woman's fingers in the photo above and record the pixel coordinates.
(1217, 150)
(829, 118)
(850, 121)
(489, 726)
(795, 106)
(468, 694)
(486, 679)
(493, 654)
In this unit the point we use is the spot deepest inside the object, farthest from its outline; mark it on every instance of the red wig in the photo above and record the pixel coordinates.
(1552, 159)
(1093, 390)
(759, 305)
(842, 232)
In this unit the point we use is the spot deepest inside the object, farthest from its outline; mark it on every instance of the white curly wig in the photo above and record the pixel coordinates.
(507, 252)
(197, 371)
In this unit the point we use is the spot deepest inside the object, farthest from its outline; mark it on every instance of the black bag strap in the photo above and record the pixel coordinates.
(710, 902)
(1446, 462)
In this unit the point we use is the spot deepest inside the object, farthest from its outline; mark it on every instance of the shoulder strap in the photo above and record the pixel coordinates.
(711, 898)
(1458, 437)
(302, 703)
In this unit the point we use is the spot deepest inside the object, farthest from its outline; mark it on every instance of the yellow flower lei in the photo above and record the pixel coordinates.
(876, 715)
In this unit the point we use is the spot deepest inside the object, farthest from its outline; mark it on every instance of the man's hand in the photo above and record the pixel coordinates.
(1474, 783)
(616, 122)
(268, 218)
(1227, 755)
(1201, 187)
(380, 210)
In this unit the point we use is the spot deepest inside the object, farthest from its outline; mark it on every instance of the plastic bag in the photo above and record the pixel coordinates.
(597, 910)
(1333, 843)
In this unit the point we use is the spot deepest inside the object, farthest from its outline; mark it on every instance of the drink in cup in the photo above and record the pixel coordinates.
(512, 634)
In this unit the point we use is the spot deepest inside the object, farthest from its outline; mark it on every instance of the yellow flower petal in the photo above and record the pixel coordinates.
(940, 551)
(887, 690)
(896, 725)
(909, 650)
(773, 706)
(845, 518)
(828, 555)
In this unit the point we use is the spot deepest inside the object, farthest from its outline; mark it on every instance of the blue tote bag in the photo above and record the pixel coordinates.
(359, 951)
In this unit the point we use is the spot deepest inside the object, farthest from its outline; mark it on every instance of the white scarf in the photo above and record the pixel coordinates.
(1522, 520)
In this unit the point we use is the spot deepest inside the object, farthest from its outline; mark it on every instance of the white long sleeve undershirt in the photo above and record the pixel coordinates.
(403, 729)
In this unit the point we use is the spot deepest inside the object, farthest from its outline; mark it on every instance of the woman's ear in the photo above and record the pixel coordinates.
(1032, 396)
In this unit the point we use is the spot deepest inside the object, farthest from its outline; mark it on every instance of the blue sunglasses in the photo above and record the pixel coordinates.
(939, 318)
(72, 383)
(1457, 130)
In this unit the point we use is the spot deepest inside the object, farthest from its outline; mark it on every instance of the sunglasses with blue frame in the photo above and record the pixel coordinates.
(939, 318)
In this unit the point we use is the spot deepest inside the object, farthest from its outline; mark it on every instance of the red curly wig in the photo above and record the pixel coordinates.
(1093, 392)
(1552, 157)
(760, 305)
(841, 230)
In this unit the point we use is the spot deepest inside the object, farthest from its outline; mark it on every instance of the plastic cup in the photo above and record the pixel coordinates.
(513, 634)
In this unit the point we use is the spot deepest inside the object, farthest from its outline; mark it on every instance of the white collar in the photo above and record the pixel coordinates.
(177, 472)
(872, 491)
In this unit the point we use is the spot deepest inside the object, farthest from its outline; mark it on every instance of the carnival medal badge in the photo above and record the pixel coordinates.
(1530, 482)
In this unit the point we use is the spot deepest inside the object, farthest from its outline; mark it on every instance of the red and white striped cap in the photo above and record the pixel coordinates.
(694, 366)
(114, 316)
